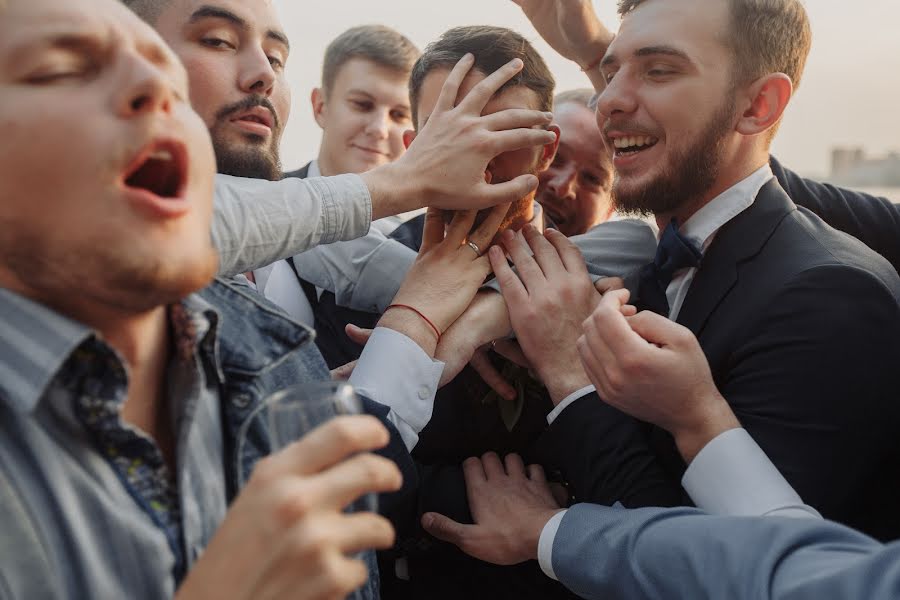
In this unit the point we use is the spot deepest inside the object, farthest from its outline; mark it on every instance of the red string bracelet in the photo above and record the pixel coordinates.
(418, 312)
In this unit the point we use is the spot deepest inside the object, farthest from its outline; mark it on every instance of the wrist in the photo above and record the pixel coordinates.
(412, 326)
(564, 382)
(532, 529)
(392, 190)
(716, 420)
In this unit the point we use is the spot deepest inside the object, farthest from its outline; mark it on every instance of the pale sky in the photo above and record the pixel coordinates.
(849, 94)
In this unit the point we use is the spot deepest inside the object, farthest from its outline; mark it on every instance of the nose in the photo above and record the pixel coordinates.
(149, 89)
(378, 125)
(256, 73)
(562, 184)
(618, 97)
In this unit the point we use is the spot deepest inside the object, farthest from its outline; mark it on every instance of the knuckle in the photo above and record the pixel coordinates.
(290, 506)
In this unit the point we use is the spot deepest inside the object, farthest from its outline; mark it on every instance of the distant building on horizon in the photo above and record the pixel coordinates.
(851, 167)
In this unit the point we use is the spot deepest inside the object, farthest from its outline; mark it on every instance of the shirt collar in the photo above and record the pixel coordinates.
(703, 225)
(313, 170)
(36, 342)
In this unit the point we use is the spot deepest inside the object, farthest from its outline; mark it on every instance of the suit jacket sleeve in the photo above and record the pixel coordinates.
(604, 552)
(256, 222)
(603, 456)
(872, 220)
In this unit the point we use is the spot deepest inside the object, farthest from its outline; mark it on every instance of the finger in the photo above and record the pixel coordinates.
(628, 310)
(363, 531)
(516, 139)
(608, 284)
(569, 254)
(536, 474)
(512, 351)
(485, 232)
(515, 118)
(657, 329)
(450, 90)
(365, 473)
(545, 254)
(433, 231)
(481, 94)
(514, 466)
(520, 253)
(493, 467)
(473, 471)
(460, 227)
(358, 334)
(445, 529)
(329, 444)
(492, 194)
(511, 287)
(343, 372)
(491, 376)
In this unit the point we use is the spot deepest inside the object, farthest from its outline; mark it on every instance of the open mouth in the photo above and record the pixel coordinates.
(631, 145)
(161, 169)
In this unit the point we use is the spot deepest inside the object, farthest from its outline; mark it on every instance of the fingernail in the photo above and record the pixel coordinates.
(427, 520)
(517, 63)
(549, 116)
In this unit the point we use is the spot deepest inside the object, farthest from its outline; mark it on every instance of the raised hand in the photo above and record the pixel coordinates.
(654, 369)
(445, 277)
(510, 507)
(446, 162)
(548, 305)
(571, 27)
(286, 536)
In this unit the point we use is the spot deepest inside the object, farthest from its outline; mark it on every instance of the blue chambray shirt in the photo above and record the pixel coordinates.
(89, 507)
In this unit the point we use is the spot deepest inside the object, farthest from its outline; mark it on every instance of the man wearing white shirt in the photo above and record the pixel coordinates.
(793, 317)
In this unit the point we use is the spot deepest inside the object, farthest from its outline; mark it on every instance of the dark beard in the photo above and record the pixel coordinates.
(252, 159)
(249, 161)
(689, 175)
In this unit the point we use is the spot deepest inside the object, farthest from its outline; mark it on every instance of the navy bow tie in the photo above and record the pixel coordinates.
(674, 252)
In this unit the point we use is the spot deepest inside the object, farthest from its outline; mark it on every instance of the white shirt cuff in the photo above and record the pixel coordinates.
(733, 476)
(545, 544)
(567, 401)
(394, 371)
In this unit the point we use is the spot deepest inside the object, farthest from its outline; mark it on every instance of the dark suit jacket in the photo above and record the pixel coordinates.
(801, 327)
(872, 220)
(301, 173)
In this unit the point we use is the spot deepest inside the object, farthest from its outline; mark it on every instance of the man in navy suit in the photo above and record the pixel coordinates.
(794, 317)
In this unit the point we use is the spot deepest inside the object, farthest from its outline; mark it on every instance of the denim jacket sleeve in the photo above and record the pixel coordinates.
(256, 222)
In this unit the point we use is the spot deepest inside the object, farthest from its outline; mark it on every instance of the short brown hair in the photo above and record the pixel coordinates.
(377, 43)
(765, 36)
(492, 47)
(148, 10)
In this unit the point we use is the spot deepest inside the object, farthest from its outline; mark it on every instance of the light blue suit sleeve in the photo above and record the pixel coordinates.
(602, 552)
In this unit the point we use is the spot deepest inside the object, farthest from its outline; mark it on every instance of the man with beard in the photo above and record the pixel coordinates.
(794, 317)
(128, 373)
(576, 189)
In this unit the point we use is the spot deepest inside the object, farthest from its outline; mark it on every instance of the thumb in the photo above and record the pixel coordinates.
(655, 328)
(509, 191)
(358, 334)
(444, 528)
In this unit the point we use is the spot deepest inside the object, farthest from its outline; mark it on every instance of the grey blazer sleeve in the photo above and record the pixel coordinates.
(257, 222)
(601, 552)
(364, 273)
(613, 248)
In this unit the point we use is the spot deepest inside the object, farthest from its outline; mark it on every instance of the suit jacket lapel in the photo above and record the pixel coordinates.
(738, 240)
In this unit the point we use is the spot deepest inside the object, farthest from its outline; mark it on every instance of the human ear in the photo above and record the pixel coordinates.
(548, 151)
(768, 98)
(317, 99)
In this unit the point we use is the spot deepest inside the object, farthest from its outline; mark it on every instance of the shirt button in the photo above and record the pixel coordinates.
(424, 393)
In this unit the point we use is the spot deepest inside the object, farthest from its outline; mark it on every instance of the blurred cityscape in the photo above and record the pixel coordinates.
(852, 167)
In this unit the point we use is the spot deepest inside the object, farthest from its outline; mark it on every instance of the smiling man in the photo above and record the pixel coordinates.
(127, 372)
(576, 189)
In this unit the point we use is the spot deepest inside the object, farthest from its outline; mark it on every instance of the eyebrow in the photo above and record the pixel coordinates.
(649, 51)
(215, 12)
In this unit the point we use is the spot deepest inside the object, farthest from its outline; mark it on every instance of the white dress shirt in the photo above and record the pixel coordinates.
(731, 475)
